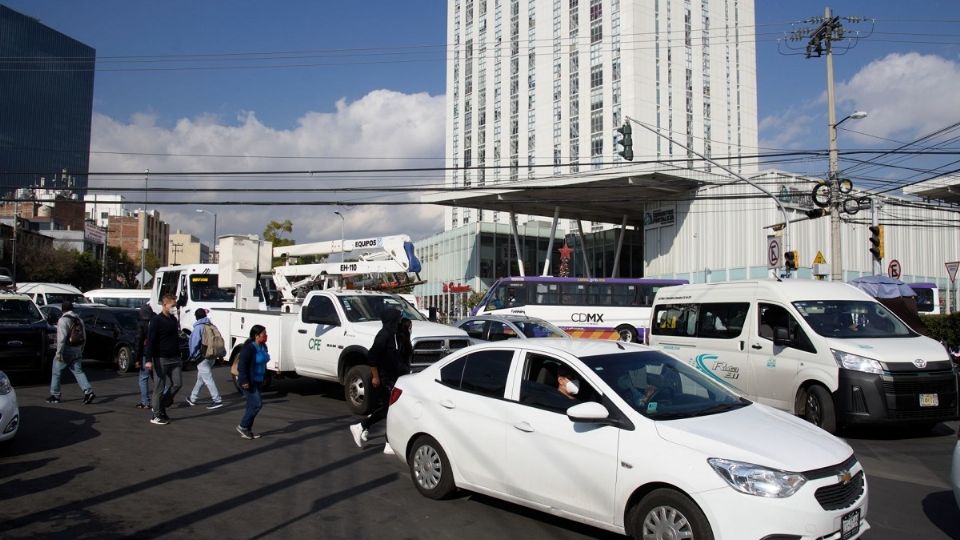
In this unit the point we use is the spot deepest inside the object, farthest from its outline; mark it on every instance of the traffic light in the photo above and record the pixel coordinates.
(876, 242)
(625, 142)
(790, 259)
(815, 213)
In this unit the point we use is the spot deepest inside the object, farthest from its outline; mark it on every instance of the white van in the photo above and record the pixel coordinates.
(133, 298)
(825, 351)
(51, 293)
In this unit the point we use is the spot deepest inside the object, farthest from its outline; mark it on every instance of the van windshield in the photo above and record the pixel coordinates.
(850, 319)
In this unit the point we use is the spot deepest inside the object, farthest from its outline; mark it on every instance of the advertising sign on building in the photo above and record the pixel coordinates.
(94, 234)
(661, 217)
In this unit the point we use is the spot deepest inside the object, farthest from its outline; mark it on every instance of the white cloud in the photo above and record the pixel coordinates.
(785, 130)
(397, 128)
(906, 95)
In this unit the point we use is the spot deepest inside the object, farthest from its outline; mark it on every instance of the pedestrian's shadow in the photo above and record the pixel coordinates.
(49, 428)
(941, 509)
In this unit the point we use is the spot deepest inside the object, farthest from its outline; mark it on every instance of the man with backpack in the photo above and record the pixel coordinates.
(70, 339)
(206, 346)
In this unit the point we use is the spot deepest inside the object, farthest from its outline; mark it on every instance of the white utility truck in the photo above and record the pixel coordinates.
(323, 330)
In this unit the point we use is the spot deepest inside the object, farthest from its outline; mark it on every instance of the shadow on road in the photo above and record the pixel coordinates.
(941, 509)
(895, 433)
(49, 428)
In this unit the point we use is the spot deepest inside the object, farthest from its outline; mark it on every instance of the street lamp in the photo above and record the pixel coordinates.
(213, 246)
(341, 234)
(836, 200)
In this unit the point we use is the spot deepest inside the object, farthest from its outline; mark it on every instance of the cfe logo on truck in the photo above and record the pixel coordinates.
(313, 344)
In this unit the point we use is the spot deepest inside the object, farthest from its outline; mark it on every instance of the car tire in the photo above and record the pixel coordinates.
(356, 387)
(430, 469)
(818, 408)
(627, 334)
(666, 513)
(124, 359)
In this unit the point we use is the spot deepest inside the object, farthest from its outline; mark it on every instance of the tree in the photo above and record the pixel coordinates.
(274, 231)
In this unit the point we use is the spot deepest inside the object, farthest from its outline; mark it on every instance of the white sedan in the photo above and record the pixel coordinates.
(624, 438)
(9, 412)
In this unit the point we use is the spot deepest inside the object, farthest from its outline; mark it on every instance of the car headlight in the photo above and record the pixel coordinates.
(756, 480)
(5, 386)
(857, 363)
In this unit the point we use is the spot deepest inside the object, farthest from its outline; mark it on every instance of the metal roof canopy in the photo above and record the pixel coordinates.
(602, 196)
(944, 188)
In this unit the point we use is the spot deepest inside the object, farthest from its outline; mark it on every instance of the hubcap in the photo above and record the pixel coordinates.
(626, 335)
(813, 410)
(356, 390)
(666, 523)
(426, 467)
(124, 359)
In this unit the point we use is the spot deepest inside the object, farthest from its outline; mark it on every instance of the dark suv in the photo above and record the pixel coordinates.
(26, 340)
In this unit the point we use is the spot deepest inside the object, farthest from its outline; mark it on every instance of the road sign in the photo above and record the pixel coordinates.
(952, 270)
(819, 259)
(894, 270)
(774, 251)
(144, 277)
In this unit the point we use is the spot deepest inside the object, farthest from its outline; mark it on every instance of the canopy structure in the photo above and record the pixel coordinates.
(945, 189)
(883, 287)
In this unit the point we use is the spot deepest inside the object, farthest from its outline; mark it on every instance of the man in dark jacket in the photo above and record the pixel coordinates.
(163, 356)
(386, 366)
(143, 325)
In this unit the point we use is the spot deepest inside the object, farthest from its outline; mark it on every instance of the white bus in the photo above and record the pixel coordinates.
(133, 298)
(600, 308)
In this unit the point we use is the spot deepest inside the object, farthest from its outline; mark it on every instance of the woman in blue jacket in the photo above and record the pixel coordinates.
(250, 373)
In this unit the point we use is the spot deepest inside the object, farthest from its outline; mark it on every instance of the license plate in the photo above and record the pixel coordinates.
(850, 525)
(929, 400)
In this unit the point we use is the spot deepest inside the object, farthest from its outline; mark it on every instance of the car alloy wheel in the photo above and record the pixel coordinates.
(124, 359)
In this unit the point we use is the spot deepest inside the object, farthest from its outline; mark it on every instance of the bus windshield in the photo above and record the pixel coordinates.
(203, 288)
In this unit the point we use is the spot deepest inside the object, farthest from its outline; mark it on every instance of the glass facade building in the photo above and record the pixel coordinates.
(46, 104)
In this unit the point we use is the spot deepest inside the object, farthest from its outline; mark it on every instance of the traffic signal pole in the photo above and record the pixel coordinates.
(875, 222)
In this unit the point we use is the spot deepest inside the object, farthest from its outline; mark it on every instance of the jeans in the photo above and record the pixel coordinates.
(205, 377)
(254, 404)
(380, 400)
(144, 380)
(169, 372)
(71, 358)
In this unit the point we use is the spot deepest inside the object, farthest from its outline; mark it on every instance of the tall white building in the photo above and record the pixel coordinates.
(536, 88)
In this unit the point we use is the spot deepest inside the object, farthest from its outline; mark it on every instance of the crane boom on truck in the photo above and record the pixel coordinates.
(381, 255)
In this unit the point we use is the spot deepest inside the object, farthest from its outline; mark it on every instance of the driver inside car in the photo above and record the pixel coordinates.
(567, 382)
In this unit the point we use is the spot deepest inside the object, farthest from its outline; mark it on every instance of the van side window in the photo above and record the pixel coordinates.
(772, 316)
(675, 320)
(722, 320)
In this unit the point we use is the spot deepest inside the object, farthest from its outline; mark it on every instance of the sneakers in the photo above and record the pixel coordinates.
(388, 450)
(53, 399)
(359, 434)
(246, 433)
(88, 398)
(191, 402)
(160, 420)
(215, 405)
(142, 406)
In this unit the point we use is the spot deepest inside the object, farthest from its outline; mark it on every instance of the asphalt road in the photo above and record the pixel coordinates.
(103, 471)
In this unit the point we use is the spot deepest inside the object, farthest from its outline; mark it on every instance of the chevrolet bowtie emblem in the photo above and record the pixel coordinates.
(844, 477)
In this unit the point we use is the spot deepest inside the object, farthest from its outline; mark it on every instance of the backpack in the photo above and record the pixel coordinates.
(211, 343)
(75, 337)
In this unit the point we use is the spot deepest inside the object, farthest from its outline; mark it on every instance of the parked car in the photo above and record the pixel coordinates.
(26, 339)
(111, 333)
(501, 327)
(646, 446)
(9, 412)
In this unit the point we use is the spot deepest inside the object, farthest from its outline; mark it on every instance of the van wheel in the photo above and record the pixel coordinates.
(430, 468)
(665, 514)
(356, 389)
(818, 408)
(124, 359)
(627, 334)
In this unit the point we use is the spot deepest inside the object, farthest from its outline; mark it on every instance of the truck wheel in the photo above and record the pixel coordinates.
(356, 387)
(124, 359)
(818, 408)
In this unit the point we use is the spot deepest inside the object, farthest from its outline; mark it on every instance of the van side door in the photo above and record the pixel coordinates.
(775, 362)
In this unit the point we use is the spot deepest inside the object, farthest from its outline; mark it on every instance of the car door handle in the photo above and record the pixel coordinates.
(447, 404)
(524, 426)
(302, 331)
(756, 346)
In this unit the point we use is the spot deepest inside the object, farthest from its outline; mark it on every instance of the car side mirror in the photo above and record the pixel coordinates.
(781, 336)
(590, 412)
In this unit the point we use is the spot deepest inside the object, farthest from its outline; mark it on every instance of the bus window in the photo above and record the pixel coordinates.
(601, 294)
(546, 294)
(509, 295)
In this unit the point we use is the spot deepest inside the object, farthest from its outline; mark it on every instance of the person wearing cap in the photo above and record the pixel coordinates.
(204, 365)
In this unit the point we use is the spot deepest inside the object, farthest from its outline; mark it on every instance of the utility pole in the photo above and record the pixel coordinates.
(177, 248)
(143, 230)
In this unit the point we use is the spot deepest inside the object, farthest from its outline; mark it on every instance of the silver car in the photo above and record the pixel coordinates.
(502, 327)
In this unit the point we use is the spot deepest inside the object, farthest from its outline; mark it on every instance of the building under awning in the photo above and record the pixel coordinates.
(944, 188)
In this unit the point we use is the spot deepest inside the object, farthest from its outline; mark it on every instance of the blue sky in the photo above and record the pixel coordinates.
(405, 57)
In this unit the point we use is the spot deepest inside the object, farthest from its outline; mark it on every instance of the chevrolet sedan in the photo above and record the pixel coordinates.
(625, 438)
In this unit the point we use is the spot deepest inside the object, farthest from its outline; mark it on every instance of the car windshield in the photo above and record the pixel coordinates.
(203, 288)
(59, 298)
(537, 328)
(847, 319)
(661, 387)
(360, 308)
(18, 311)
